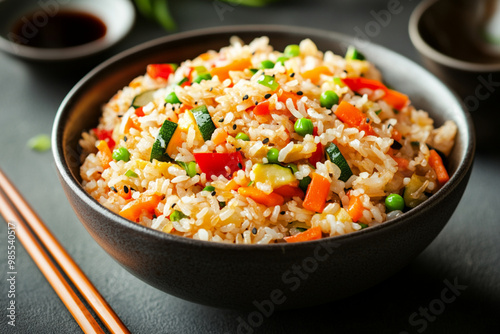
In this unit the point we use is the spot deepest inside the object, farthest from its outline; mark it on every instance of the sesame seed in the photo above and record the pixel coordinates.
(238, 148)
(256, 102)
(221, 120)
(254, 230)
(265, 141)
(173, 108)
(292, 75)
(245, 97)
(211, 89)
(389, 125)
(195, 102)
(120, 116)
(125, 189)
(173, 205)
(282, 212)
(300, 93)
(212, 193)
(164, 104)
(367, 120)
(125, 138)
(234, 126)
(114, 189)
(267, 96)
(240, 166)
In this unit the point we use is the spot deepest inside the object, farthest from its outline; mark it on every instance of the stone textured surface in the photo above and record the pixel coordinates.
(466, 252)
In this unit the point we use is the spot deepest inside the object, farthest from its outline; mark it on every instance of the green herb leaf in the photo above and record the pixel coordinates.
(40, 143)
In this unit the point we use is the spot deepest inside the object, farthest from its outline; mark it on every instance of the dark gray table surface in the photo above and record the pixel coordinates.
(466, 254)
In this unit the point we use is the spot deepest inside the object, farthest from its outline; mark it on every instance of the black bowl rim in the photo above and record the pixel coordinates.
(428, 51)
(66, 175)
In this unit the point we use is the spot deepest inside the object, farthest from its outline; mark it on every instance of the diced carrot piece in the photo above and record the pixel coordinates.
(105, 154)
(315, 74)
(261, 197)
(353, 117)
(355, 208)
(289, 191)
(219, 136)
(396, 99)
(396, 135)
(144, 204)
(437, 164)
(139, 112)
(284, 96)
(125, 194)
(237, 65)
(313, 233)
(402, 162)
(317, 192)
(262, 108)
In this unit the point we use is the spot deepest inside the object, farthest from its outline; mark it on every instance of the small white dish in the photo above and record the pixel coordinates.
(117, 15)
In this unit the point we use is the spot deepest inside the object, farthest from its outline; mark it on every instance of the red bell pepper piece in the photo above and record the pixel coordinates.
(156, 71)
(105, 135)
(393, 98)
(216, 163)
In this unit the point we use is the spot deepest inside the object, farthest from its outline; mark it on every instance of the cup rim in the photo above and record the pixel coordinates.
(428, 51)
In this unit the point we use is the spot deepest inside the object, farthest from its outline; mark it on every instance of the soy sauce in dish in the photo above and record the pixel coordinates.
(65, 29)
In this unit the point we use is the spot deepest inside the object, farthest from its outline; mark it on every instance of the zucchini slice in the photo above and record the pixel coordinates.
(160, 145)
(415, 183)
(338, 159)
(142, 99)
(204, 121)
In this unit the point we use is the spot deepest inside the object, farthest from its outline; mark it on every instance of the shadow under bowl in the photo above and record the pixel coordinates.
(238, 276)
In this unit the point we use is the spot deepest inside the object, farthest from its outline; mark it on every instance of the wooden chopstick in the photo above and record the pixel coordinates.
(59, 254)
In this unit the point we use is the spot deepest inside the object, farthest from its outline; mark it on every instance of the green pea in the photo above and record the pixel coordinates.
(121, 154)
(191, 168)
(203, 76)
(242, 136)
(394, 202)
(176, 216)
(131, 173)
(209, 188)
(266, 64)
(172, 98)
(304, 183)
(303, 126)
(328, 99)
(268, 81)
(292, 50)
(272, 155)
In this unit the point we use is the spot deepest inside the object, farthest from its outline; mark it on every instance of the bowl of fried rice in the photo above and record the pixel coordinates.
(262, 165)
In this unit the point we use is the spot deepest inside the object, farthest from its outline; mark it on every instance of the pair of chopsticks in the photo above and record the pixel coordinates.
(18, 213)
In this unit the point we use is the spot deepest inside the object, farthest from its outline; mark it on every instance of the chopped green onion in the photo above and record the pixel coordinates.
(352, 53)
(378, 112)
(266, 64)
(292, 50)
(121, 154)
(253, 70)
(242, 136)
(209, 188)
(268, 81)
(189, 167)
(131, 173)
(362, 225)
(172, 98)
(338, 82)
(176, 216)
(182, 81)
(200, 69)
(39, 143)
(250, 184)
(203, 76)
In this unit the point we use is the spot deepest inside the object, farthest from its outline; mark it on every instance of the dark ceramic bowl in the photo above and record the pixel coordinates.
(277, 275)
